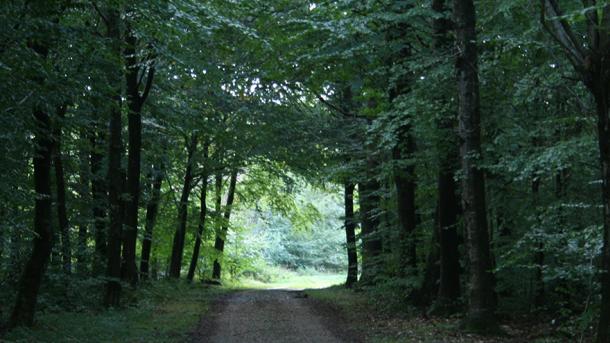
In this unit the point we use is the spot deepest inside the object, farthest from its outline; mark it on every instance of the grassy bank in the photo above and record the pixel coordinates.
(287, 279)
(165, 311)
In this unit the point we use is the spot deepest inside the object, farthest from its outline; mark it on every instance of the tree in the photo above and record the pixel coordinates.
(152, 210)
(481, 310)
(60, 184)
(350, 236)
(219, 243)
(178, 245)
(588, 54)
(29, 283)
(448, 203)
(202, 213)
(135, 80)
(115, 173)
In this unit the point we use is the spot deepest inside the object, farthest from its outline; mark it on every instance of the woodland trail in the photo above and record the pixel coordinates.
(272, 316)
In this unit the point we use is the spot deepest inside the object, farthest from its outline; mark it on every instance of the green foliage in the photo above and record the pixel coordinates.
(164, 312)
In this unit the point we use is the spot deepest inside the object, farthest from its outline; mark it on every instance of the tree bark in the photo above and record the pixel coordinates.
(82, 257)
(219, 244)
(60, 189)
(135, 102)
(178, 243)
(350, 236)
(429, 287)
(481, 314)
(202, 215)
(152, 209)
(603, 128)
(448, 209)
(371, 240)
(99, 194)
(29, 283)
(115, 176)
(448, 202)
(404, 179)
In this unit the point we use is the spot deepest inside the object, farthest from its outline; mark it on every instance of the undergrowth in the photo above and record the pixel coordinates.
(162, 311)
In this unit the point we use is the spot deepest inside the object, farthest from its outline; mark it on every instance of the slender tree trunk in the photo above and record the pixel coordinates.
(538, 253)
(403, 151)
(404, 179)
(99, 194)
(448, 202)
(60, 184)
(202, 215)
(350, 236)
(115, 178)
(603, 129)
(178, 243)
(152, 209)
(371, 240)
(15, 255)
(218, 203)
(135, 102)
(448, 209)
(429, 287)
(219, 244)
(481, 315)
(85, 199)
(29, 283)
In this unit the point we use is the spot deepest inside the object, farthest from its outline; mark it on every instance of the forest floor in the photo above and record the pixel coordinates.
(301, 308)
(163, 311)
(376, 324)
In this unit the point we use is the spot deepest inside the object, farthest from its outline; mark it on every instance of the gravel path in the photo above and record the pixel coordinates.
(270, 316)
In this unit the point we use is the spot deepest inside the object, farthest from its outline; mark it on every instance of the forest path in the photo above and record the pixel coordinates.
(272, 316)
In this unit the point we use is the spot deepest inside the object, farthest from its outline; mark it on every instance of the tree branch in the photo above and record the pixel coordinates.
(149, 81)
(561, 31)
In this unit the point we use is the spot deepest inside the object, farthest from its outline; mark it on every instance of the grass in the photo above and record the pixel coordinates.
(293, 280)
(165, 311)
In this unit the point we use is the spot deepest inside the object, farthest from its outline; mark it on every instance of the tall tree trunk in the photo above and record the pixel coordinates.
(218, 203)
(99, 194)
(29, 284)
(60, 185)
(538, 253)
(481, 314)
(178, 243)
(404, 179)
(590, 59)
(429, 287)
(371, 240)
(202, 215)
(135, 102)
(603, 129)
(83, 193)
(350, 236)
(219, 244)
(115, 176)
(404, 149)
(448, 202)
(152, 209)
(448, 209)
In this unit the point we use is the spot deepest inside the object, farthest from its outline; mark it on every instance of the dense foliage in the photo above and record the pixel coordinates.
(464, 138)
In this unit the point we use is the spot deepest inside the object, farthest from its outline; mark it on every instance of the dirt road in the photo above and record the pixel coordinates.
(272, 316)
